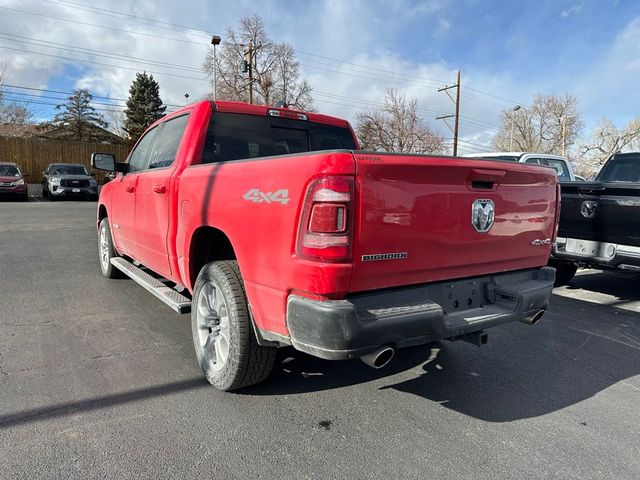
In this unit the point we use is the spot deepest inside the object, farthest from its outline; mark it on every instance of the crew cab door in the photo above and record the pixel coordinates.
(122, 215)
(153, 196)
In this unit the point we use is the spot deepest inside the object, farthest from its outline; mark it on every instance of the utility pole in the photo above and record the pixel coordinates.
(563, 132)
(455, 116)
(250, 73)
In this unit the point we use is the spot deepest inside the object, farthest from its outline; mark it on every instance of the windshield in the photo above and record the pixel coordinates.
(9, 171)
(234, 136)
(68, 170)
(621, 168)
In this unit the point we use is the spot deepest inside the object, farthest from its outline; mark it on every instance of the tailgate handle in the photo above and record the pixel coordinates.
(484, 179)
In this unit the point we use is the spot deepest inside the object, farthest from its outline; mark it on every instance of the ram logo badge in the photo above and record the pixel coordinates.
(482, 215)
(256, 196)
(384, 256)
(589, 209)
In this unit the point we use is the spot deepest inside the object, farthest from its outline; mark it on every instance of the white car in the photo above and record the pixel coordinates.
(560, 164)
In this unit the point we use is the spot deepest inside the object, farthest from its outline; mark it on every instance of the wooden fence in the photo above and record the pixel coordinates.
(33, 155)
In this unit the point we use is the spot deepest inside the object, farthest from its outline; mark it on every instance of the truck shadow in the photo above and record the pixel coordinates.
(625, 289)
(524, 372)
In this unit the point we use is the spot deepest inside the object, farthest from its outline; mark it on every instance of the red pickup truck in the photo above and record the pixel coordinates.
(272, 229)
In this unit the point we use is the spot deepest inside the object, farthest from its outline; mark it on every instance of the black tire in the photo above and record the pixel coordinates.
(247, 363)
(107, 249)
(45, 192)
(565, 271)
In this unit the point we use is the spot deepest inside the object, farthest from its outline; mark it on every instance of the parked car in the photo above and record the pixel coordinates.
(68, 180)
(12, 182)
(272, 230)
(600, 221)
(558, 163)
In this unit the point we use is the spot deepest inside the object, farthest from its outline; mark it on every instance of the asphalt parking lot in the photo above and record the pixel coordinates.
(99, 380)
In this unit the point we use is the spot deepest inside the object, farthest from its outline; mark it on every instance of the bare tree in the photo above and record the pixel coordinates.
(396, 127)
(12, 112)
(276, 72)
(606, 140)
(116, 118)
(549, 125)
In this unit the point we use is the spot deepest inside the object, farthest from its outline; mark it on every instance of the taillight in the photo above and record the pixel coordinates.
(558, 208)
(327, 220)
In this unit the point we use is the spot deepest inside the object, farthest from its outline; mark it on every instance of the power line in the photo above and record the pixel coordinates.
(61, 92)
(138, 19)
(100, 63)
(119, 15)
(104, 26)
(86, 51)
(494, 96)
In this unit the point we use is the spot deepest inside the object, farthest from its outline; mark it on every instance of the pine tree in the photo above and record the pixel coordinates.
(144, 105)
(78, 117)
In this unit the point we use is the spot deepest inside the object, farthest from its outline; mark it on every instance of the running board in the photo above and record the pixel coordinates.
(168, 295)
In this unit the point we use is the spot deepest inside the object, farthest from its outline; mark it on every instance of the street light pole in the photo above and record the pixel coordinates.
(515, 109)
(215, 40)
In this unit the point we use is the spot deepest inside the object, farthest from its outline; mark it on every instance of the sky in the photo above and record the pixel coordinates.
(349, 50)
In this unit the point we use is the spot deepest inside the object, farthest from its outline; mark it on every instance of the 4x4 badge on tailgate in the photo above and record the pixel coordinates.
(482, 215)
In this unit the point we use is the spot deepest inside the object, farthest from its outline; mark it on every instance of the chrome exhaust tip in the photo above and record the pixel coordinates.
(533, 318)
(378, 358)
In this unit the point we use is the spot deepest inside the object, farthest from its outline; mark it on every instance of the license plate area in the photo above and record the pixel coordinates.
(76, 190)
(464, 295)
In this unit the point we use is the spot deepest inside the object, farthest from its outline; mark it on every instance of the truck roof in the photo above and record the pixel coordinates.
(264, 110)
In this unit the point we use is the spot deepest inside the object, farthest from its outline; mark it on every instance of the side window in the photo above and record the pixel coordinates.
(139, 157)
(533, 160)
(560, 167)
(166, 146)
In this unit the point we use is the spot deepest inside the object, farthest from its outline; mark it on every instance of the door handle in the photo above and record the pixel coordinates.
(159, 188)
(130, 189)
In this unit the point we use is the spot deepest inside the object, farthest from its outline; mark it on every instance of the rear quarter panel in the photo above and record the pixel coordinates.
(263, 233)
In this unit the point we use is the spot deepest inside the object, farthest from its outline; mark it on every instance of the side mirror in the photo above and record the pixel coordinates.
(103, 161)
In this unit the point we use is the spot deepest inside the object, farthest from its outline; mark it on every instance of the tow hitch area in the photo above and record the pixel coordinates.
(476, 338)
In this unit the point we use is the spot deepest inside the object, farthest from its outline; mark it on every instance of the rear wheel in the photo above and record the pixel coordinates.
(565, 271)
(107, 251)
(223, 336)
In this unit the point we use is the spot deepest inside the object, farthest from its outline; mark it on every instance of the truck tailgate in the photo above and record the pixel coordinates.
(601, 212)
(414, 218)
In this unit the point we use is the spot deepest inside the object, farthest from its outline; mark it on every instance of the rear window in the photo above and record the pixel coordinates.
(623, 168)
(233, 136)
(9, 171)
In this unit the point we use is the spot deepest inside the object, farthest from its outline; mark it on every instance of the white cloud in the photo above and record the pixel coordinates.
(572, 10)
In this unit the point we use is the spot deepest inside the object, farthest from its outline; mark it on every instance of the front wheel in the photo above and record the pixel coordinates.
(223, 336)
(107, 251)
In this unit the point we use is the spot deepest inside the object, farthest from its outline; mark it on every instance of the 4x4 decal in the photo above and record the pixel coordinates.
(256, 196)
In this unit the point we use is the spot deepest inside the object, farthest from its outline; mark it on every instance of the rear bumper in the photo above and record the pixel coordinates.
(351, 328)
(601, 254)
